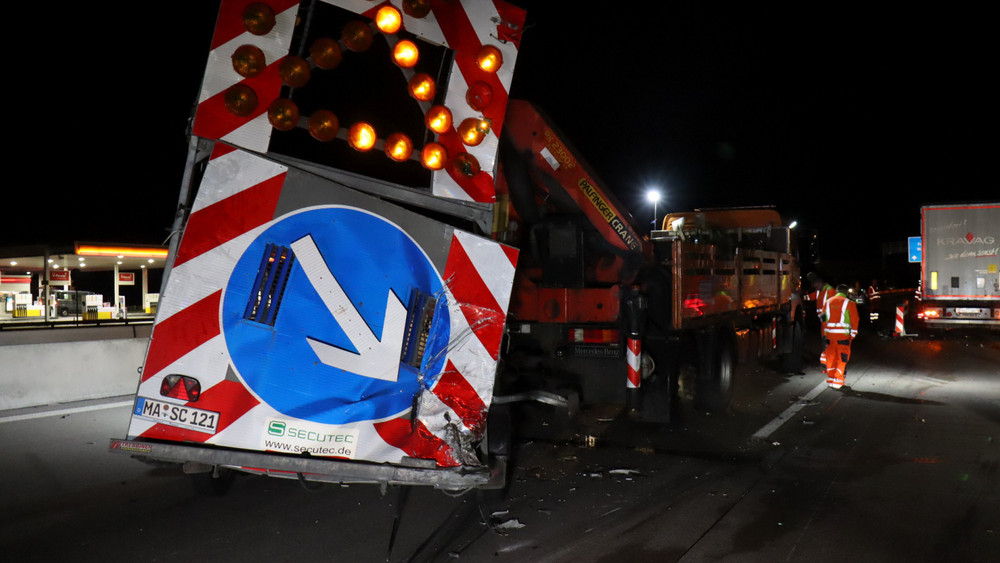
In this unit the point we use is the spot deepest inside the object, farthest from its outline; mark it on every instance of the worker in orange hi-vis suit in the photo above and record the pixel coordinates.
(840, 326)
(820, 294)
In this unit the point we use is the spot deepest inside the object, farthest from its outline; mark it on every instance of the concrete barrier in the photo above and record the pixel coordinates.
(45, 367)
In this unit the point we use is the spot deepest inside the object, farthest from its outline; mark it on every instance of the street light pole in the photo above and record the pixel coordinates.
(653, 196)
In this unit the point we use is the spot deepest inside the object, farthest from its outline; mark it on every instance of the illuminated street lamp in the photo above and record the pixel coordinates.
(653, 196)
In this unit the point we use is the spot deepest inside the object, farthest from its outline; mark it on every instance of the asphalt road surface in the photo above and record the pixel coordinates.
(900, 465)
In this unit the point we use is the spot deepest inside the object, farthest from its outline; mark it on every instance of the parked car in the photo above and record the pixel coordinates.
(70, 301)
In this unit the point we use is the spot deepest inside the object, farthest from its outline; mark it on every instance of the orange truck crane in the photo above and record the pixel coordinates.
(376, 250)
(604, 311)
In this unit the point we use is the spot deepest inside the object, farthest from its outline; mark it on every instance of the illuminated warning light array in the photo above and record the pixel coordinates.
(255, 51)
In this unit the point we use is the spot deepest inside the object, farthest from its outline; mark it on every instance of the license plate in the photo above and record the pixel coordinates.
(969, 312)
(176, 415)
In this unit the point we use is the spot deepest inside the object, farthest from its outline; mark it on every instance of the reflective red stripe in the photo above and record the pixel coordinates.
(416, 440)
(456, 392)
(181, 333)
(229, 218)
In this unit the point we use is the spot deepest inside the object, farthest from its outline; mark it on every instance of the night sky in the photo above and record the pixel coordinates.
(844, 116)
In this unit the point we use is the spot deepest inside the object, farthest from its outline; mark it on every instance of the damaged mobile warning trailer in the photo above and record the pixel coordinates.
(328, 313)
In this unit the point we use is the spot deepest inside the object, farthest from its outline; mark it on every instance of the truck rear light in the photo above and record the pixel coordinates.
(422, 87)
(398, 147)
(433, 156)
(361, 136)
(388, 19)
(930, 313)
(438, 119)
(182, 387)
(594, 335)
(405, 54)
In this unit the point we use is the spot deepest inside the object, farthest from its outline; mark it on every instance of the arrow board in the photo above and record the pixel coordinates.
(314, 321)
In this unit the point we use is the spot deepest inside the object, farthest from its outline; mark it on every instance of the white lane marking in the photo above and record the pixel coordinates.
(62, 412)
(782, 418)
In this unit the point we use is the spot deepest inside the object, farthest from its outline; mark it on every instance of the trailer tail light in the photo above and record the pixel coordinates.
(930, 313)
(182, 387)
(594, 335)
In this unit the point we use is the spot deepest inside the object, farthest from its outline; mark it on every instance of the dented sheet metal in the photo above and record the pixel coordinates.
(318, 319)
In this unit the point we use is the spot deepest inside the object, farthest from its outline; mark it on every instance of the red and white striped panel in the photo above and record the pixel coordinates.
(463, 26)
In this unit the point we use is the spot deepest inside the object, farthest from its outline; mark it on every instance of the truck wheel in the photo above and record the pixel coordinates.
(791, 361)
(715, 374)
(64, 312)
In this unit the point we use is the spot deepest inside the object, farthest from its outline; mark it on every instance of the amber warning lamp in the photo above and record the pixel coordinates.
(422, 87)
(405, 54)
(388, 19)
(433, 156)
(438, 119)
(398, 147)
(361, 136)
(489, 58)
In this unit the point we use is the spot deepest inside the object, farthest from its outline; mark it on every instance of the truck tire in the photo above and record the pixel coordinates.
(715, 374)
(791, 361)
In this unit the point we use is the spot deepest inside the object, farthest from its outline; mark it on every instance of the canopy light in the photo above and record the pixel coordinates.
(417, 8)
(489, 58)
(361, 136)
(433, 156)
(294, 71)
(240, 100)
(248, 61)
(479, 95)
(438, 119)
(119, 251)
(323, 125)
(473, 130)
(398, 147)
(357, 36)
(388, 19)
(405, 54)
(283, 114)
(258, 18)
(466, 165)
(422, 87)
(326, 53)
